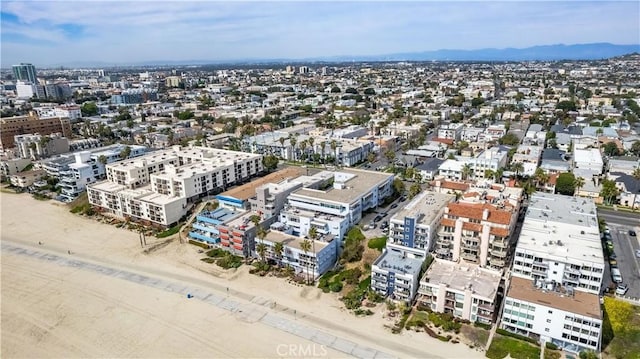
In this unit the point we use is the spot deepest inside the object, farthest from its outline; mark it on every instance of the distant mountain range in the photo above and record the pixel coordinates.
(593, 51)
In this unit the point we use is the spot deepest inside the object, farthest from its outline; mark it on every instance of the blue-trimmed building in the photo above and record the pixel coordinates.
(395, 274)
(205, 228)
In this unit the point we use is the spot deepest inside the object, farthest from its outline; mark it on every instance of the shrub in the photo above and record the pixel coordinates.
(169, 232)
(216, 253)
(514, 335)
(377, 243)
(482, 325)
(199, 244)
(503, 346)
(229, 261)
(551, 346)
(335, 286)
(208, 260)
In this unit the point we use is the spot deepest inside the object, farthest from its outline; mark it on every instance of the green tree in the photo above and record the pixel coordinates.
(102, 159)
(278, 249)
(509, 139)
(371, 157)
(565, 184)
(566, 106)
(390, 155)
(611, 149)
(305, 245)
(270, 162)
(518, 167)
(636, 176)
(466, 171)
(398, 186)
(414, 189)
(578, 183)
(89, 109)
(125, 153)
(609, 191)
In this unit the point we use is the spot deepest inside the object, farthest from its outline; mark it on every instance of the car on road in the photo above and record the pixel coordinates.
(632, 233)
(610, 246)
(403, 198)
(638, 253)
(395, 205)
(613, 262)
(378, 218)
(613, 255)
(622, 289)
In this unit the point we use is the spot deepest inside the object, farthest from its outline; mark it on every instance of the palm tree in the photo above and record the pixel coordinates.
(306, 246)
(334, 145)
(261, 248)
(489, 173)
(102, 159)
(310, 140)
(636, 176)
(303, 147)
(466, 171)
(293, 141)
(282, 139)
(578, 183)
(518, 167)
(313, 235)
(278, 249)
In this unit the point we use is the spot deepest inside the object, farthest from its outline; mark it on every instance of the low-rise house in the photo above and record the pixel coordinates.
(554, 161)
(27, 178)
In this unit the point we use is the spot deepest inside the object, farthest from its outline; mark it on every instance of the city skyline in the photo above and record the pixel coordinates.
(52, 33)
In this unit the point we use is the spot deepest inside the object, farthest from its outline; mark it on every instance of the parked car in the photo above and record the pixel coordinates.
(403, 198)
(632, 233)
(638, 253)
(395, 205)
(613, 262)
(622, 289)
(616, 275)
(613, 255)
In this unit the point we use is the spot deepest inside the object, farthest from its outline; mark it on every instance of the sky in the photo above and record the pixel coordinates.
(126, 32)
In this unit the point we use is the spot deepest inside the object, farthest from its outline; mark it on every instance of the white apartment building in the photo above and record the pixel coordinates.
(313, 262)
(451, 131)
(87, 168)
(271, 198)
(161, 186)
(464, 290)
(332, 202)
(35, 146)
(414, 226)
(572, 320)
(490, 159)
(529, 156)
(395, 274)
(590, 160)
(557, 273)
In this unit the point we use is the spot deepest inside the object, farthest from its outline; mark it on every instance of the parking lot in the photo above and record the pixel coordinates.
(625, 246)
(390, 210)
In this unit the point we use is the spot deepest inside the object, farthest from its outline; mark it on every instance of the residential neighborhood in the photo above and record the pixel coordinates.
(483, 193)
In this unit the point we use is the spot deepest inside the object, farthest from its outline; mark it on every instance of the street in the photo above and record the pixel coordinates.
(624, 246)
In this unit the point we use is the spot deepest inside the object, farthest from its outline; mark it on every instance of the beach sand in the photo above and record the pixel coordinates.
(59, 308)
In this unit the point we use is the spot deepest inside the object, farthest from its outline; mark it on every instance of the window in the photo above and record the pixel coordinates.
(550, 312)
(548, 320)
(546, 329)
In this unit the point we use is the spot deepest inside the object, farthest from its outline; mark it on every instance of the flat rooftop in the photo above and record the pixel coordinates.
(358, 185)
(294, 242)
(220, 214)
(562, 227)
(394, 261)
(582, 303)
(425, 207)
(483, 282)
(248, 190)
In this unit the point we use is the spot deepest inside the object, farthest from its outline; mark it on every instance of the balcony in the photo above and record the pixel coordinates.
(538, 270)
(486, 307)
(497, 262)
(470, 245)
(500, 254)
(500, 244)
(470, 257)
